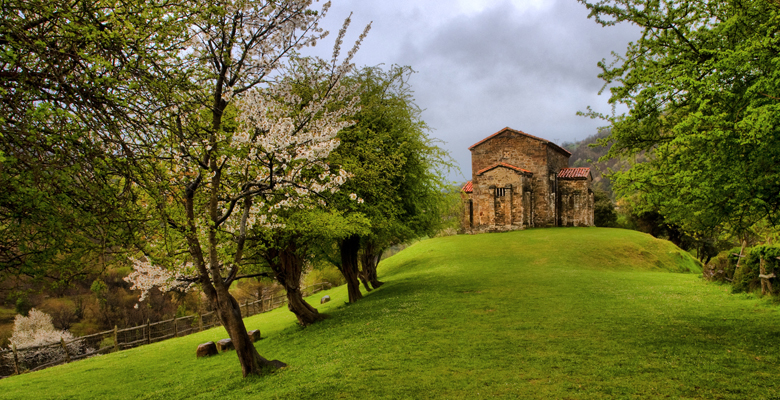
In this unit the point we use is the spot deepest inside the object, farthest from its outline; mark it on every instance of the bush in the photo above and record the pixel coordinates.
(22, 305)
(746, 278)
(604, 213)
(325, 272)
(38, 342)
(718, 269)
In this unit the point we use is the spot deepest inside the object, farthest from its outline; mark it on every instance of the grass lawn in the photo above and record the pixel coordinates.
(565, 313)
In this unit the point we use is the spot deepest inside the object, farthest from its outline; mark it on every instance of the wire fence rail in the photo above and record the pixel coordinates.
(14, 361)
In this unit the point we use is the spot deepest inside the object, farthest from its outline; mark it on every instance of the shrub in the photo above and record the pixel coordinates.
(37, 341)
(604, 213)
(717, 270)
(22, 305)
(324, 272)
(746, 278)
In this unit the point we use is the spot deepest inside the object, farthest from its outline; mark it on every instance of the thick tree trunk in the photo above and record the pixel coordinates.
(370, 259)
(349, 266)
(288, 273)
(252, 363)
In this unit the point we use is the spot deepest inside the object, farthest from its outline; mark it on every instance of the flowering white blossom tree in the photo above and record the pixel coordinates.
(247, 133)
(32, 334)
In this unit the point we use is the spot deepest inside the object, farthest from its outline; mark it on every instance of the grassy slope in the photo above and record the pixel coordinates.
(550, 313)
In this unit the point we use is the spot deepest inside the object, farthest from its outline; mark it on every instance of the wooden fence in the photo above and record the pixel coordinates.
(19, 360)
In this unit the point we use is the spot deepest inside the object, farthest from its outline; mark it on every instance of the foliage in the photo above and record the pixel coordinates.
(590, 152)
(746, 277)
(604, 213)
(703, 92)
(719, 269)
(323, 272)
(22, 305)
(241, 134)
(397, 169)
(74, 76)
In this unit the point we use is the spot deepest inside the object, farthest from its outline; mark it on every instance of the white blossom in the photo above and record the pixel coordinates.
(146, 276)
(32, 334)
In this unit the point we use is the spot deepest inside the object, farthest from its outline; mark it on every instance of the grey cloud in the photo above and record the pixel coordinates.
(531, 70)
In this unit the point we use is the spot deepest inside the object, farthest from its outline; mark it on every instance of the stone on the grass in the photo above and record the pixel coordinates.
(206, 349)
(324, 299)
(225, 345)
(254, 335)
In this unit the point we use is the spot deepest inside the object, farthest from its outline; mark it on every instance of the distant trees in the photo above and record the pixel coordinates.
(604, 213)
(703, 91)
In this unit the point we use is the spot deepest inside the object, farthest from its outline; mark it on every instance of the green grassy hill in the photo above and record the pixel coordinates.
(566, 313)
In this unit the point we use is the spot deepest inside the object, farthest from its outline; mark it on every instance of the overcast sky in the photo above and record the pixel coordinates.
(487, 64)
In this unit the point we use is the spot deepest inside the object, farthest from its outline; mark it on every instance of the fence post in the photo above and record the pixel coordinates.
(175, 327)
(16, 359)
(766, 285)
(200, 322)
(67, 354)
(116, 338)
(149, 332)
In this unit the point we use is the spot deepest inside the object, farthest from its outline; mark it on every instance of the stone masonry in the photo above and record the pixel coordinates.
(519, 181)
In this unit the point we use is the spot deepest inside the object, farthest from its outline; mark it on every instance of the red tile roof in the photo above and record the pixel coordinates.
(551, 144)
(518, 169)
(574, 173)
(468, 187)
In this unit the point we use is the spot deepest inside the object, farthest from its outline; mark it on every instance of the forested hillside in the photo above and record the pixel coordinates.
(587, 153)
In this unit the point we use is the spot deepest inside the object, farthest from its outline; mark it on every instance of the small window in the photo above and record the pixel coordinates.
(501, 192)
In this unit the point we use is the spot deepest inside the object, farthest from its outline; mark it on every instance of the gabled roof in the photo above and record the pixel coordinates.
(574, 173)
(518, 169)
(508, 129)
(468, 187)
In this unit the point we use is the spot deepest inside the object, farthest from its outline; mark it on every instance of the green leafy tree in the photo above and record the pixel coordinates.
(74, 76)
(242, 134)
(288, 248)
(397, 173)
(703, 92)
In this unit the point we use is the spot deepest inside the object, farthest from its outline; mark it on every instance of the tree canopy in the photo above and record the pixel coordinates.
(74, 77)
(702, 86)
(397, 170)
(168, 122)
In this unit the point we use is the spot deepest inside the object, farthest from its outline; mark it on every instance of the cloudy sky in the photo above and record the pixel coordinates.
(486, 64)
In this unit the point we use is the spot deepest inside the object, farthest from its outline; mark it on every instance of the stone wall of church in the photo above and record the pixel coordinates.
(511, 148)
(575, 202)
(530, 154)
(492, 212)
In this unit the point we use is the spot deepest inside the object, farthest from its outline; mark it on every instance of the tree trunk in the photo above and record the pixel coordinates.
(288, 273)
(252, 363)
(363, 276)
(370, 259)
(349, 266)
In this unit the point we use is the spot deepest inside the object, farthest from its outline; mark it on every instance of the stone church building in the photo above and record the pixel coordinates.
(521, 181)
